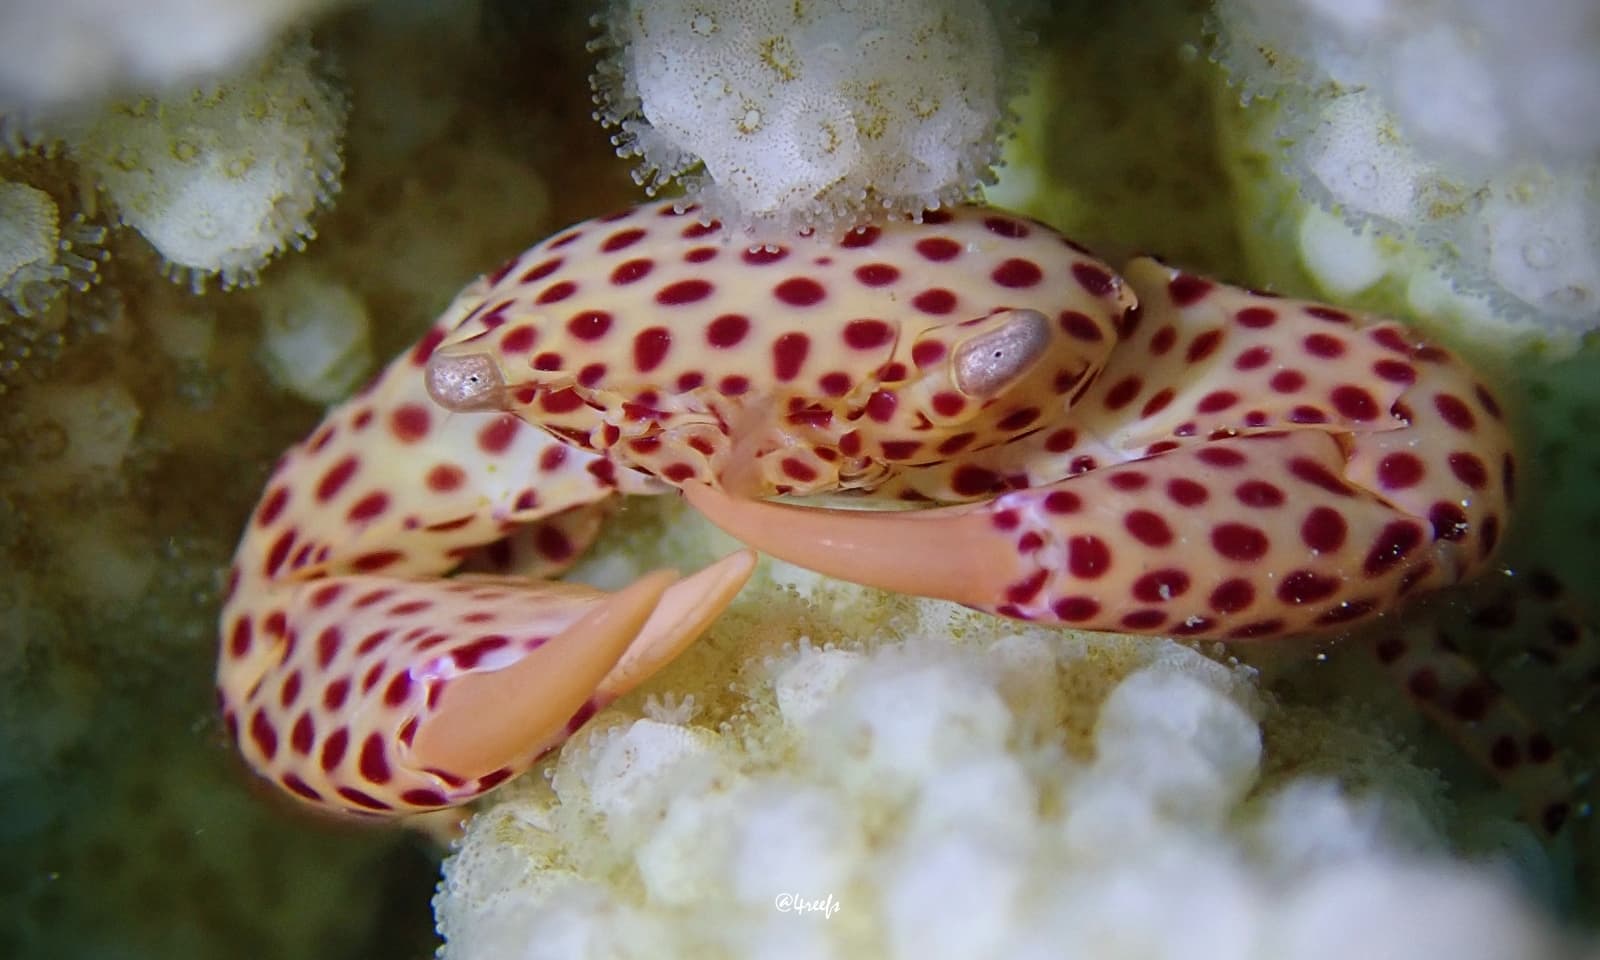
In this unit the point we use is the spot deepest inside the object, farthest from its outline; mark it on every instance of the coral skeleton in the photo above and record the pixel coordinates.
(778, 114)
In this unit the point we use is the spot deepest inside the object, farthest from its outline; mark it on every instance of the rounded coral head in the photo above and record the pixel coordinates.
(778, 115)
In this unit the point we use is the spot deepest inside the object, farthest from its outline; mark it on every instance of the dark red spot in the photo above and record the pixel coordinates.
(631, 271)
(1123, 392)
(1078, 326)
(1203, 346)
(1253, 358)
(797, 469)
(1327, 313)
(445, 477)
(733, 386)
(973, 481)
(800, 292)
(1186, 493)
(1231, 596)
(1075, 609)
(1287, 381)
(1185, 289)
(1454, 412)
(368, 507)
(1323, 530)
(589, 325)
(1256, 318)
(1395, 541)
(1259, 494)
(1148, 528)
(560, 401)
(540, 271)
(1449, 521)
(1157, 403)
(1306, 586)
(937, 301)
(469, 655)
(425, 347)
(947, 403)
(1061, 440)
(683, 292)
(1325, 346)
(867, 334)
(1217, 401)
(1239, 542)
(696, 230)
(334, 696)
(296, 785)
(1490, 531)
(1223, 457)
(1487, 401)
(621, 240)
(374, 764)
(650, 347)
(1397, 471)
(1354, 403)
(1087, 556)
(398, 690)
(1159, 586)
(727, 330)
(334, 480)
(900, 449)
(273, 506)
(1019, 419)
(877, 274)
(1004, 227)
(1395, 371)
(1062, 501)
(789, 355)
(761, 256)
(557, 292)
(700, 255)
(927, 352)
(1260, 628)
(1094, 279)
(1317, 475)
(263, 734)
(1024, 592)
(1144, 620)
(938, 249)
(1017, 273)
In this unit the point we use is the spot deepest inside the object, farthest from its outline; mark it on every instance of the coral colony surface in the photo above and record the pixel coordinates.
(219, 218)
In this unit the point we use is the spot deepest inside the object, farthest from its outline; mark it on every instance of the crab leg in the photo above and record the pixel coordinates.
(356, 678)
(1261, 466)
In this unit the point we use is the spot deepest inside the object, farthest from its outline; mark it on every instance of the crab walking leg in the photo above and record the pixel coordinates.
(1484, 723)
(354, 677)
(1328, 510)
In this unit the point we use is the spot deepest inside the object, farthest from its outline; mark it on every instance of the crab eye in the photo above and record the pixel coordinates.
(986, 364)
(466, 382)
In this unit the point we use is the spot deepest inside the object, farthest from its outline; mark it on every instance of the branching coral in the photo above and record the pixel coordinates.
(808, 112)
(1465, 138)
(222, 178)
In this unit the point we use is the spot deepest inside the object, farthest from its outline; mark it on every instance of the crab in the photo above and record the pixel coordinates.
(1147, 452)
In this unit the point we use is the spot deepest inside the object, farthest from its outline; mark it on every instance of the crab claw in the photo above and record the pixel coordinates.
(1248, 537)
(390, 695)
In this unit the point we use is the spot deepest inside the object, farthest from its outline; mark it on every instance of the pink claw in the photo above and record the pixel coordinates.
(357, 679)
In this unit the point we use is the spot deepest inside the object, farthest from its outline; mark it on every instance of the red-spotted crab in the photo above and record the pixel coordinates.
(1151, 452)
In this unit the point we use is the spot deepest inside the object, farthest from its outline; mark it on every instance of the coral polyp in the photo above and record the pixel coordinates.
(39, 255)
(222, 178)
(778, 114)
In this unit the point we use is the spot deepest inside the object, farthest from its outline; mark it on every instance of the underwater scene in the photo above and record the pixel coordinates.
(809, 479)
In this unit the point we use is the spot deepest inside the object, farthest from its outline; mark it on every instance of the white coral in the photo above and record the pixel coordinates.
(976, 788)
(221, 178)
(778, 112)
(39, 255)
